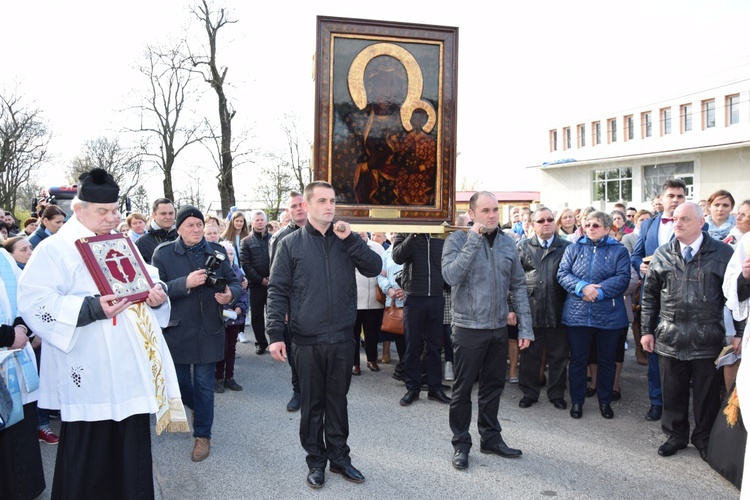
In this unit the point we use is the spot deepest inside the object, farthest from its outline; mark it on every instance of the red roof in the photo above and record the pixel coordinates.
(502, 195)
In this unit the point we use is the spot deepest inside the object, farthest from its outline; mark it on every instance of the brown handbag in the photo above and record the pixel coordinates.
(379, 295)
(393, 319)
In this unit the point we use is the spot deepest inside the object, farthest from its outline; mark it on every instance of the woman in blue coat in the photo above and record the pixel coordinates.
(595, 271)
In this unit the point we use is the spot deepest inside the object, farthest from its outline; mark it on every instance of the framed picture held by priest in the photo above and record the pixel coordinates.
(116, 266)
(385, 115)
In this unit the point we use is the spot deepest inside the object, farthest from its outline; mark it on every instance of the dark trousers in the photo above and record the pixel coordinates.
(42, 414)
(368, 320)
(555, 341)
(579, 338)
(675, 378)
(326, 372)
(258, 299)
(477, 353)
(447, 343)
(654, 380)
(197, 389)
(225, 367)
(290, 358)
(423, 323)
(104, 459)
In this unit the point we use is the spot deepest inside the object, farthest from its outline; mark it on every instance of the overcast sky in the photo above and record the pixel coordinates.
(523, 68)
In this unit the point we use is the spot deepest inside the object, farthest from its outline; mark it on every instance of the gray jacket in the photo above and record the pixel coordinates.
(195, 334)
(481, 278)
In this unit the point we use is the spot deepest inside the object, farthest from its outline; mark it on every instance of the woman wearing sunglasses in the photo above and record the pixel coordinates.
(595, 272)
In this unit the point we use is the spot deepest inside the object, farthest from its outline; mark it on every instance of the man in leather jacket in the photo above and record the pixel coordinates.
(682, 321)
(540, 257)
(160, 230)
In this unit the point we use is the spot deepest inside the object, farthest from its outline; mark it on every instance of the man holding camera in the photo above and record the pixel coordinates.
(200, 282)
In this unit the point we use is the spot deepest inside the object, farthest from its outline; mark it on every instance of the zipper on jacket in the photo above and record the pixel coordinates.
(591, 279)
(429, 268)
(330, 288)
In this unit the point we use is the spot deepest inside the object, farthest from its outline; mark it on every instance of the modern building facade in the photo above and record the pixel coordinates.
(703, 138)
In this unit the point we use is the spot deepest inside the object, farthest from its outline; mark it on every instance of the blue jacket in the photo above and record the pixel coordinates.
(605, 263)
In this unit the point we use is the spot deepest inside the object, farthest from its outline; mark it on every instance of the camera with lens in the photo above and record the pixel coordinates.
(213, 262)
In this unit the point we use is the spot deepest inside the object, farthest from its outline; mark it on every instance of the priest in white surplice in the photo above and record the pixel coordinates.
(105, 364)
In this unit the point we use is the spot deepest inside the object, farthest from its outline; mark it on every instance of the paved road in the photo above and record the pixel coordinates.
(406, 452)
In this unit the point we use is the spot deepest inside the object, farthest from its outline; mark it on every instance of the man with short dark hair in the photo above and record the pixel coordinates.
(483, 268)
(682, 321)
(160, 230)
(255, 261)
(297, 215)
(312, 283)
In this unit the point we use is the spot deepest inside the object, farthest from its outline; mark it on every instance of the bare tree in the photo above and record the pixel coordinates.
(297, 156)
(276, 182)
(215, 76)
(139, 201)
(23, 147)
(170, 91)
(192, 194)
(122, 163)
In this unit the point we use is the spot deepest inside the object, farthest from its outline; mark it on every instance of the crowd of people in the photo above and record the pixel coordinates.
(544, 300)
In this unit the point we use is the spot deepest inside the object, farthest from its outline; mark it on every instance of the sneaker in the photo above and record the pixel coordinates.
(232, 385)
(219, 386)
(448, 371)
(47, 436)
(241, 337)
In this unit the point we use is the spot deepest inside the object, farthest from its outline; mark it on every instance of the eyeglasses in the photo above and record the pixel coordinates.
(542, 221)
(632, 216)
(593, 225)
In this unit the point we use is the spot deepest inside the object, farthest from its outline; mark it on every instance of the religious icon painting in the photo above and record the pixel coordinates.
(116, 266)
(385, 113)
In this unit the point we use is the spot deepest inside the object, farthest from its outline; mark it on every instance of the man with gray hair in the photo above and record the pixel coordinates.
(256, 263)
(682, 312)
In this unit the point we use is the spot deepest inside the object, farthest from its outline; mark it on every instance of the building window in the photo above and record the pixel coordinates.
(613, 185)
(596, 133)
(612, 130)
(581, 135)
(686, 118)
(553, 140)
(567, 138)
(666, 120)
(646, 125)
(629, 132)
(708, 112)
(732, 107)
(655, 175)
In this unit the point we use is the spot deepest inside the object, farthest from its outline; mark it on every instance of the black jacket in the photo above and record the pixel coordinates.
(683, 303)
(195, 334)
(421, 256)
(255, 258)
(546, 296)
(152, 239)
(312, 279)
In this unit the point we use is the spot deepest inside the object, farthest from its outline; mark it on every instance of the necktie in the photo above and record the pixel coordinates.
(667, 220)
(545, 244)
(687, 253)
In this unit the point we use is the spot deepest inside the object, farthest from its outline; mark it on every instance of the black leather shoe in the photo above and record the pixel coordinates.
(219, 387)
(232, 385)
(460, 459)
(398, 376)
(526, 402)
(668, 449)
(409, 398)
(704, 453)
(439, 396)
(654, 413)
(293, 404)
(260, 350)
(316, 478)
(349, 472)
(606, 411)
(559, 403)
(590, 392)
(500, 448)
(576, 411)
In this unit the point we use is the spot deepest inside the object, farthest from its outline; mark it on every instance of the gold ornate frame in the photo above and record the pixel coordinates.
(423, 192)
